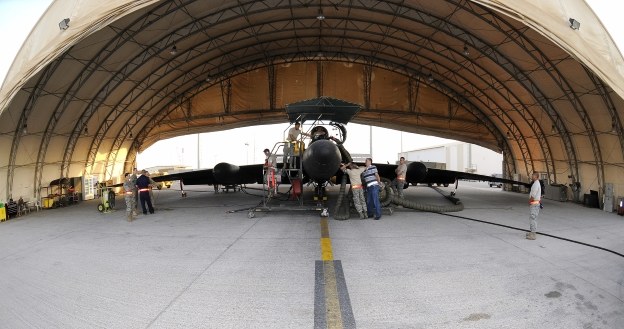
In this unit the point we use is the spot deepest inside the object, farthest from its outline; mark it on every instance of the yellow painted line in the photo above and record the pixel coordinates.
(332, 302)
(324, 228)
(326, 248)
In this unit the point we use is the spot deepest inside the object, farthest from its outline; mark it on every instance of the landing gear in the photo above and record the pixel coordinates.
(456, 185)
(319, 193)
(182, 188)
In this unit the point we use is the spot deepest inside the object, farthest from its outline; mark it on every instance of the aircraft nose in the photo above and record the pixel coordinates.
(321, 160)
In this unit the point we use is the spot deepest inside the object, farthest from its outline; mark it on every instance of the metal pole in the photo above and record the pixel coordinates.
(370, 145)
(247, 151)
(198, 152)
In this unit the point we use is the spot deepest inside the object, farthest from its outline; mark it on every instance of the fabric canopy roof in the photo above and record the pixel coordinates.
(508, 75)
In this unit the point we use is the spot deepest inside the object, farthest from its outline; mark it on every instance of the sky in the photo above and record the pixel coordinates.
(245, 145)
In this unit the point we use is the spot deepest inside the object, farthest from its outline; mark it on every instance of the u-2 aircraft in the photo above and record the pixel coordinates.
(322, 158)
(321, 161)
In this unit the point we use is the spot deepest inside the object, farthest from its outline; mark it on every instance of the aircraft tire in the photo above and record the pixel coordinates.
(111, 200)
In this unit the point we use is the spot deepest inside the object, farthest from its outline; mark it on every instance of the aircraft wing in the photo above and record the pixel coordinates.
(194, 177)
(418, 173)
(438, 174)
(222, 173)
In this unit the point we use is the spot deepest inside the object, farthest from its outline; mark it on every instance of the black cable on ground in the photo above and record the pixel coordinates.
(244, 209)
(540, 233)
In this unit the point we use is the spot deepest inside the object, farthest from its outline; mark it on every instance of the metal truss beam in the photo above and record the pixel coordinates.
(33, 97)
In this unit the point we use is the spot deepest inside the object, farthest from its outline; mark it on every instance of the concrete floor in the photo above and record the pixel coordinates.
(193, 265)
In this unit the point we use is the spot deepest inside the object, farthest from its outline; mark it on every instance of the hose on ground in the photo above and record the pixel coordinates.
(387, 193)
(387, 197)
(427, 207)
(392, 198)
(342, 209)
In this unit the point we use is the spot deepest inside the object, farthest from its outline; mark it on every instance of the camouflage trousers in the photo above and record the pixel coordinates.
(130, 203)
(358, 200)
(398, 186)
(534, 211)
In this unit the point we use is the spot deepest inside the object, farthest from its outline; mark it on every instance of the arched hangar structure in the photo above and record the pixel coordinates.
(85, 94)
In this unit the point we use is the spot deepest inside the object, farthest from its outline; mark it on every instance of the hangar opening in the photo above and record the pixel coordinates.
(513, 77)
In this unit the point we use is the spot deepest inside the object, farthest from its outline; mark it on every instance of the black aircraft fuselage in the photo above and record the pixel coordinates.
(321, 160)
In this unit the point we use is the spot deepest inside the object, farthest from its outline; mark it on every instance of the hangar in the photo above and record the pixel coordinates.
(98, 81)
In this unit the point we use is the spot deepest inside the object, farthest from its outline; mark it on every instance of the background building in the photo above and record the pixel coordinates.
(459, 156)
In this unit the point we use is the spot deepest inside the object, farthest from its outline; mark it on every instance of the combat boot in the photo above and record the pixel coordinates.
(362, 215)
(531, 236)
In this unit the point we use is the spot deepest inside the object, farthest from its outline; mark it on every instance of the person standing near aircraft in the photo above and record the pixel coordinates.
(129, 187)
(270, 165)
(151, 187)
(535, 198)
(357, 189)
(143, 184)
(399, 182)
(135, 190)
(289, 148)
(373, 183)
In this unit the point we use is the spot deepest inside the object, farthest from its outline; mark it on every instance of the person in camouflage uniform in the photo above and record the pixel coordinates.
(135, 191)
(398, 183)
(129, 187)
(357, 189)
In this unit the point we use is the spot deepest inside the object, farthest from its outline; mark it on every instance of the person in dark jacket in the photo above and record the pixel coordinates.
(143, 184)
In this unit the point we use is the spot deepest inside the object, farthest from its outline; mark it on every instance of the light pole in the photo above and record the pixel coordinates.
(247, 151)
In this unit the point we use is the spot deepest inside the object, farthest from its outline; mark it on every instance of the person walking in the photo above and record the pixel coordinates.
(373, 183)
(143, 185)
(357, 189)
(398, 182)
(534, 205)
(128, 187)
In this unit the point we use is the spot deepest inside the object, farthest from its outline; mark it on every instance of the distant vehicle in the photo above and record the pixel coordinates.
(496, 184)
